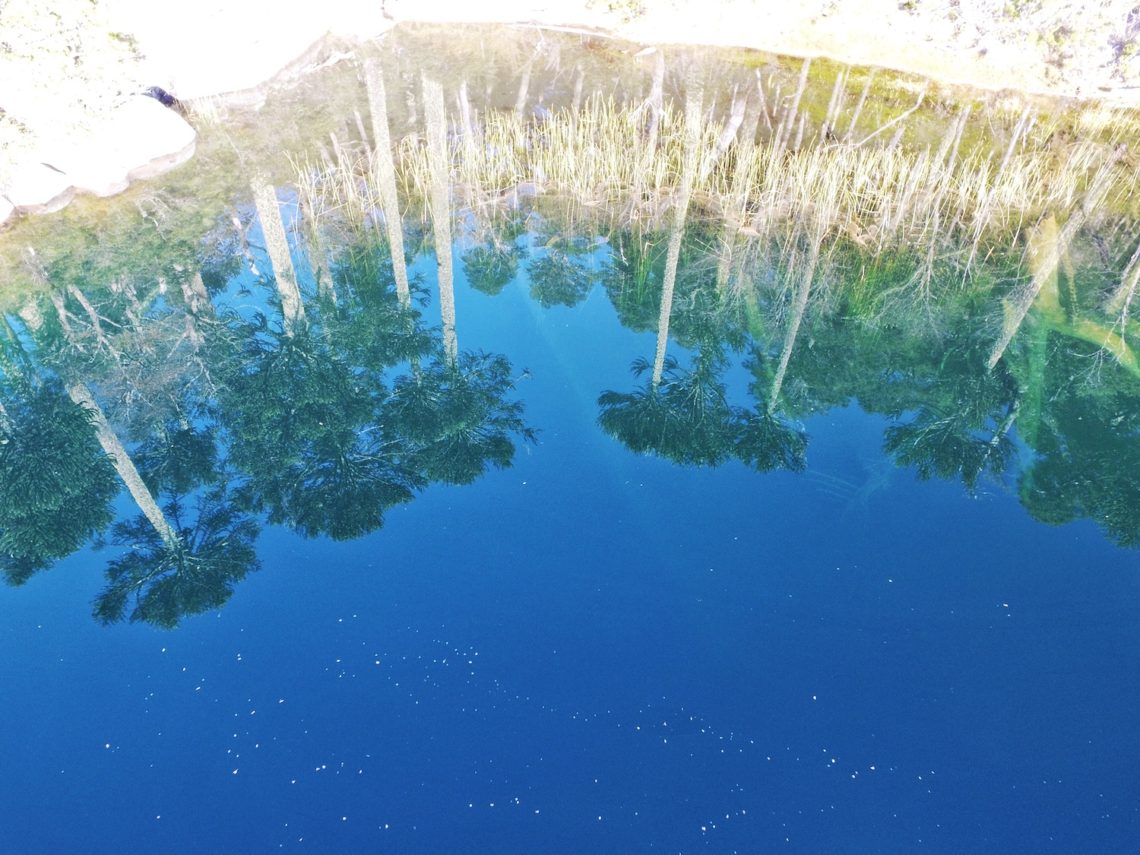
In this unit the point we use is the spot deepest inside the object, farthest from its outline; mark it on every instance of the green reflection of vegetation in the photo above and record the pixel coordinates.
(960, 426)
(55, 486)
(559, 277)
(966, 272)
(490, 268)
(1086, 460)
(219, 410)
(684, 416)
(492, 260)
(454, 418)
(303, 428)
(158, 582)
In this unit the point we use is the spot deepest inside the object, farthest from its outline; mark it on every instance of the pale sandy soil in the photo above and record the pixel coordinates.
(1070, 48)
(1073, 49)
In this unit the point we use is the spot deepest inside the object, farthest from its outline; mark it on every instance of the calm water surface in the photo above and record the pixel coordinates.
(522, 599)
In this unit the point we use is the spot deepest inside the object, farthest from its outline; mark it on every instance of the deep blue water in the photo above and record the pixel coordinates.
(598, 651)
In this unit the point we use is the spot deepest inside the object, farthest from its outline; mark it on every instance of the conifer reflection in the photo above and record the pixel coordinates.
(303, 431)
(766, 440)
(222, 390)
(490, 267)
(961, 427)
(174, 565)
(56, 486)
(682, 416)
(453, 419)
(158, 581)
(319, 414)
(493, 261)
(1086, 459)
(561, 275)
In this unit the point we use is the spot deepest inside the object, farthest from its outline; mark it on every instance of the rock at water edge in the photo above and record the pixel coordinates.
(36, 188)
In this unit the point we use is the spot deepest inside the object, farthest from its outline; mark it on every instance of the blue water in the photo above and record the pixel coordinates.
(596, 651)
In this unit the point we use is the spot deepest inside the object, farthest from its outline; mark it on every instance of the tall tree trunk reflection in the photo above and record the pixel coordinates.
(438, 164)
(384, 171)
(113, 447)
(1046, 256)
(124, 466)
(277, 246)
(1120, 301)
(655, 105)
(799, 306)
(693, 109)
(56, 486)
(735, 205)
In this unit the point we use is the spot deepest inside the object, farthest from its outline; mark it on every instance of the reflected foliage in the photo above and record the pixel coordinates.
(687, 418)
(221, 418)
(633, 276)
(684, 418)
(366, 322)
(178, 459)
(1087, 461)
(765, 442)
(455, 420)
(491, 268)
(303, 428)
(159, 583)
(233, 418)
(56, 485)
(962, 427)
(558, 279)
(494, 260)
(917, 360)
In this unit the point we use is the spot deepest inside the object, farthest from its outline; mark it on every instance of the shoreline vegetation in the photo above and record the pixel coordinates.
(77, 63)
(804, 164)
(779, 173)
(277, 336)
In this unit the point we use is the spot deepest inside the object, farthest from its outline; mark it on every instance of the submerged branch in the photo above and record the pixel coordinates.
(1046, 268)
(1121, 298)
(896, 119)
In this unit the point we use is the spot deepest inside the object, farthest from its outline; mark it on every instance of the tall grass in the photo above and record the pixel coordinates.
(947, 200)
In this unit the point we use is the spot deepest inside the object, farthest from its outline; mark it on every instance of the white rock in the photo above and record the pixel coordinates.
(248, 43)
(140, 139)
(91, 165)
(7, 209)
(154, 138)
(37, 189)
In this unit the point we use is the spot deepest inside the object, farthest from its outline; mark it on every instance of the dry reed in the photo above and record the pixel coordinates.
(941, 201)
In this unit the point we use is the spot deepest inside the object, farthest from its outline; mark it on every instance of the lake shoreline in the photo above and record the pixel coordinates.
(64, 147)
(1007, 57)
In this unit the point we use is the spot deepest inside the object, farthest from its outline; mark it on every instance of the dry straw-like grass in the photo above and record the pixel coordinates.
(880, 195)
(945, 202)
(949, 205)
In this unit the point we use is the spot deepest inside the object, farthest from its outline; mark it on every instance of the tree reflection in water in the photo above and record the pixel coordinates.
(226, 389)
